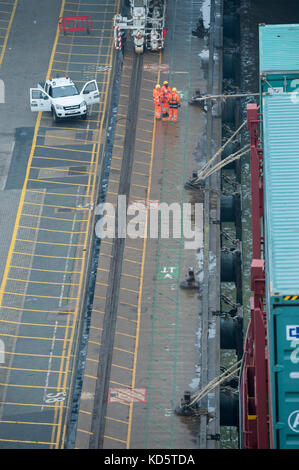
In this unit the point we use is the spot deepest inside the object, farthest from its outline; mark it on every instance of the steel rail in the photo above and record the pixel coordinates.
(111, 306)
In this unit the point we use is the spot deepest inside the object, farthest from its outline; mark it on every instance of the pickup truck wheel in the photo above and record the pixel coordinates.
(55, 117)
(84, 116)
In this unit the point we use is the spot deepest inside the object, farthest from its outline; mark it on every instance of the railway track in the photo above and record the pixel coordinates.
(111, 306)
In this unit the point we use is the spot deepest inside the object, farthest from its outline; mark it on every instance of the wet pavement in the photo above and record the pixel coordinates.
(155, 351)
(45, 272)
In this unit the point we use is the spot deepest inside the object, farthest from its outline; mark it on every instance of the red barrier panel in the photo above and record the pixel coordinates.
(68, 24)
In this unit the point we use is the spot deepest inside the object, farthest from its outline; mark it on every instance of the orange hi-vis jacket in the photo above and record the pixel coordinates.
(157, 96)
(165, 93)
(174, 100)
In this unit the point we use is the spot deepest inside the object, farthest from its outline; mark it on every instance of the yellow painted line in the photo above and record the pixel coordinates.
(63, 159)
(26, 404)
(81, 63)
(28, 337)
(47, 243)
(78, 71)
(130, 275)
(129, 290)
(143, 151)
(98, 344)
(122, 367)
(114, 439)
(85, 412)
(84, 54)
(67, 170)
(79, 141)
(43, 256)
(139, 185)
(63, 149)
(92, 187)
(124, 334)
(252, 417)
(26, 422)
(53, 218)
(49, 229)
(57, 194)
(26, 442)
(121, 384)
(102, 284)
(34, 355)
(129, 305)
(79, 45)
(117, 420)
(30, 386)
(98, 311)
(142, 163)
(83, 430)
(54, 205)
(29, 281)
(34, 370)
(32, 310)
(90, 11)
(8, 31)
(96, 328)
(39, 296)
(126, 319)
(32, 324)
(53, 182)
(45, 270)
(132, 261)
(83, 129)
(124, 350)
(133, 248)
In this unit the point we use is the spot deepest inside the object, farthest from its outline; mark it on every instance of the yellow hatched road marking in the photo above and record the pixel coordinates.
(30, 386)
(83, 430)
(48, 229)
(28, 337)
(92, 187)
(127, 319)
(45, 270)
(46, 243)
(63, 159)
(40, 296)
(31, 309)
(114, 439)
(26, 422)
(26, 404)
(31, 324)
(34, 370)
(8, 30)
(55, 205)
(117, 420)
(54, 182)
(64, 149)
(43, 256)
(34, 355)
(26, 442)
(56, 194)
(44, 282)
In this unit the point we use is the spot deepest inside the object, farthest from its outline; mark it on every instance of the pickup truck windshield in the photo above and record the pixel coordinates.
(61, 91)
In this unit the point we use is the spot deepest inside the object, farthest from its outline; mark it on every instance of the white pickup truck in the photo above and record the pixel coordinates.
(61, 97)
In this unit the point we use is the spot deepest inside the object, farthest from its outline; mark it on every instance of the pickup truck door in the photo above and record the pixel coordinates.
(90, 92)
(39, 100)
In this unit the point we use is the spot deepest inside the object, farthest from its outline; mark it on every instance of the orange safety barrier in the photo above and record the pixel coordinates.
(68, 24)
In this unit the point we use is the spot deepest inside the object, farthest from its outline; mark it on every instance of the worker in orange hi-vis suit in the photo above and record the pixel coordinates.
(174, 104)
(157, 101)
(165, 93)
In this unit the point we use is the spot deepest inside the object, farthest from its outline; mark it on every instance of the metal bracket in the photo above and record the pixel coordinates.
(213, 437)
